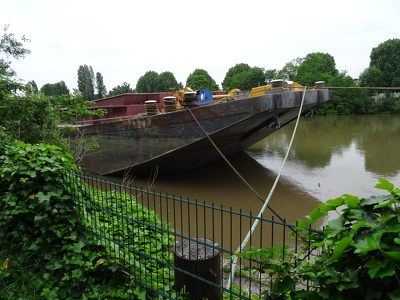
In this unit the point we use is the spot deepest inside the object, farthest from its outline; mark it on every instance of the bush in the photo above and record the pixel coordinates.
(44, 253)
(358, 256)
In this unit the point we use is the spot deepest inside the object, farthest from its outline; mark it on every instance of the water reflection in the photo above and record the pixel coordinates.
(332, 156)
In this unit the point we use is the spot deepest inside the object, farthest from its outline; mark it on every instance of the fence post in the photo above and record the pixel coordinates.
(202, 261)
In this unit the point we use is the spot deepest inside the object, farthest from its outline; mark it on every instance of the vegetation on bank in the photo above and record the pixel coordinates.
(357, 257)
(45, 252)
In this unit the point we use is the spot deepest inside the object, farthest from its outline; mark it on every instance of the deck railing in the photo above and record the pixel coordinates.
(144, 229)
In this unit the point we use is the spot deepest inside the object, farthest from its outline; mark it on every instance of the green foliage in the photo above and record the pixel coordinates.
(315, 67)
(152, 82)
(11, 47)
(227, 84)
(28, 118)
(385, 58)
(244, 77)
(70, 107)
(121, 89)
(148, 83)
(86, 82)
(290, 70)
(346, 101)
(166, 82)
(101, 88)
(44, 251)
(202, 76)
(55, 89)
(249, 79)
(118, 217)
(358, 256)
(50, 256)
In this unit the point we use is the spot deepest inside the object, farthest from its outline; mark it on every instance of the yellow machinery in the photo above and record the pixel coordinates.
(260, 90)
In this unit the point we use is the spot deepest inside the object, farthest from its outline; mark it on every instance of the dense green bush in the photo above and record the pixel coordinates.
(358, 256)
(44, 251)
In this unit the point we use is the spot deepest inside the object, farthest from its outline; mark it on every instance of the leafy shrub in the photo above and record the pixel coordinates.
(358, 256)
(43, 251)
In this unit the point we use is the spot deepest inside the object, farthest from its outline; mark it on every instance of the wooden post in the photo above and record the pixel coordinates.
(202, 261)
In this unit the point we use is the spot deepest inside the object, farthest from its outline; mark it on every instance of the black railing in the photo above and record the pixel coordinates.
(143, 230)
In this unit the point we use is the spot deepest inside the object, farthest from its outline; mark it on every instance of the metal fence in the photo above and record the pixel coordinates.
(144, 229)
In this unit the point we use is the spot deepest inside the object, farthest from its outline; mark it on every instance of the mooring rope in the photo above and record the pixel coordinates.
(253, 227)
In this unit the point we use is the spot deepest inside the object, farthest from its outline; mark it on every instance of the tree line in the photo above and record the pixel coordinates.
(383, 71)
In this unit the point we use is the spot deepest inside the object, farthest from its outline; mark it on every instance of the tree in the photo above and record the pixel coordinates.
(248, 79)
(238, 68)
(372, 76)
(346, 101)
(33, 86)
(55, 89)
(148, 83)
(289, 71)
(167, 82)
(10, 47)
(86, 82)
(202, 76)
(120, 89)
(315, 67)
(386, 58)
(270, 74)
(101, 88)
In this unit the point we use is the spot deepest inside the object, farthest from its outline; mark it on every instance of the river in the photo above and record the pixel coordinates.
(330, 156)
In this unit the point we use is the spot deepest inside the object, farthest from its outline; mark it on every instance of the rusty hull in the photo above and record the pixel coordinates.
(173, 142)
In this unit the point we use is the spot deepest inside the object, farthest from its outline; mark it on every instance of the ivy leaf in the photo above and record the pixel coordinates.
(43, 197)
(395, 295)
(371, 242)
(336, 202)
(316, 214)
(374, 200)
(386, 203)
(351, 201)
(342, 245)
(386, 218)
(302, 225)
(334, 227)
(374, 266)
(393, 254)
(385, 185)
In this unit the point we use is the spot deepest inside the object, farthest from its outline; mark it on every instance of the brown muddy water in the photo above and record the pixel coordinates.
(331, 156)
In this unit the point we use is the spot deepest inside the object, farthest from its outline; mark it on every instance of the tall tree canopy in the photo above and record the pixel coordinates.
(148, 83)
(121, 89)
(152, 82)
(290, 69)
(10, 47)
(86, 82)
(249, 79)
(166, 82)
(315, 67)
(384, 67)
(101, 88)
(55, 89)
(243, 77)
(238, 68)
(202, 77)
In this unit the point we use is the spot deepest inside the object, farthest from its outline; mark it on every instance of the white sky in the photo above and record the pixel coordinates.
(124, 39)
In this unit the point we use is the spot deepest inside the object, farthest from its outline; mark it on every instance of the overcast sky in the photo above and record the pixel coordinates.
(124, 39)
